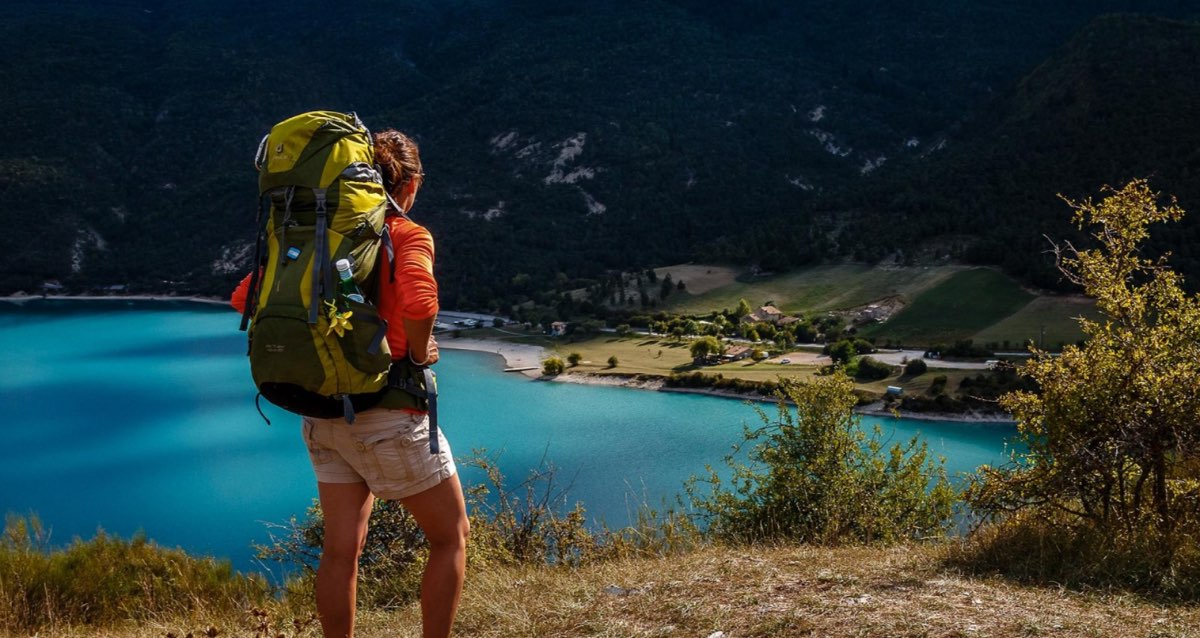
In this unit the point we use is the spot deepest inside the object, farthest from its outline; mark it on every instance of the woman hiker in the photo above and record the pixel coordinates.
(385, 454)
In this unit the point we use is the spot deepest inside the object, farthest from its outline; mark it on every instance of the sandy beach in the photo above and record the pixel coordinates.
(619, 380)
(517, 356)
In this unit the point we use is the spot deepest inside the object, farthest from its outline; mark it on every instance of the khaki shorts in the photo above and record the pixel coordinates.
(386, 449)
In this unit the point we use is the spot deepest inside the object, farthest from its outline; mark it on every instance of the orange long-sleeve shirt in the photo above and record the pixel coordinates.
(412, 296)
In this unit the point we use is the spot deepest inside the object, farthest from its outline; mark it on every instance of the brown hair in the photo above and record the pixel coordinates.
(399, 159)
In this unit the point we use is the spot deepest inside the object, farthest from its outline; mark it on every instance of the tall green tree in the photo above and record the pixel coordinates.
(743, 309)
(705, 346)
(842, 352)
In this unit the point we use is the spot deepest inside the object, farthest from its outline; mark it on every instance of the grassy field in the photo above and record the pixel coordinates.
(1055, 314)
(663, 357)
(645, 355)
(819, 288)
(943, 303)
(958, 307)
(699, 278)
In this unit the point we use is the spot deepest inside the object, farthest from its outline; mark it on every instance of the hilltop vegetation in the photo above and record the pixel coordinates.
(565, 141)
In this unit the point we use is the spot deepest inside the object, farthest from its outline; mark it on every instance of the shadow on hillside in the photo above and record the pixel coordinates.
(1040, 555)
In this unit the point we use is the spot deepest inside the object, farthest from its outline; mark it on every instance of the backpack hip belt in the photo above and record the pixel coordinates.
(404, 377)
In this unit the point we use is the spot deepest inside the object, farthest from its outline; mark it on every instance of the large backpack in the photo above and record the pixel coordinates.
(322, 198)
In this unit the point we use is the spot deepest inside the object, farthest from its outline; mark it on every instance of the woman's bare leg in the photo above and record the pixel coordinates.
(346, 507)
(442, 515)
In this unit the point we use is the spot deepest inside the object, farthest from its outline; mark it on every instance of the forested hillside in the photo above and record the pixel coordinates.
(564, 139)
(1120, 101)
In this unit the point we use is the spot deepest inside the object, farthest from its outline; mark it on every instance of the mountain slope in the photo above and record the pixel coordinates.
(561, 139)
(1119, 101)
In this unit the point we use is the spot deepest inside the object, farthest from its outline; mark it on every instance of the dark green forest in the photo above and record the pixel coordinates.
(565, 140)
(1120, 101)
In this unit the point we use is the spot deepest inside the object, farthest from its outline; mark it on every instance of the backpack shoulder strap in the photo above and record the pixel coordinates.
(385, 236)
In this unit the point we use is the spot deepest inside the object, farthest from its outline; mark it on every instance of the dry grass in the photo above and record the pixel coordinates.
(756, 593)
(699, 278)
(789, 591)
(637, 355)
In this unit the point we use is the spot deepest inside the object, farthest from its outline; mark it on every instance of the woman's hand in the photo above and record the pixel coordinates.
(431, 352)
(427, 358)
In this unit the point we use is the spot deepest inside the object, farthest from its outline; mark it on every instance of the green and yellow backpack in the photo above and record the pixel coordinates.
(312, 350)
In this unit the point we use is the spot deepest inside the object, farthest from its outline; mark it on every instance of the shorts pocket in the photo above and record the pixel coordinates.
(416, 430)
(389, 453)
(319, 454)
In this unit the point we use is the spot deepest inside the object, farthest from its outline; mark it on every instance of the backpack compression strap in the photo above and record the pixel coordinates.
(322, 271)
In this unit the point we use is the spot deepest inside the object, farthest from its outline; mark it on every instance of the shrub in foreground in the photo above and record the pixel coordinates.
(815, 476)
(1112, 460)
(530, 523)
(107, 580)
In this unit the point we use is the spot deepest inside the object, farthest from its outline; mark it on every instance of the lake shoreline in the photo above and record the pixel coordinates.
(526, 359)
(523, 356)
(518, 357)
(876, 409)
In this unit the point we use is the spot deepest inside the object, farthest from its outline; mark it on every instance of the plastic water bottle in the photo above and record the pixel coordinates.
(346, 286)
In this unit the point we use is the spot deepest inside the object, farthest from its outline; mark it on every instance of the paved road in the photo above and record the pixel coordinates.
(898, 357)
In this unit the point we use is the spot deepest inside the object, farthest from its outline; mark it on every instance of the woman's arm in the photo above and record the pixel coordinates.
(415, 290)
(422, 347)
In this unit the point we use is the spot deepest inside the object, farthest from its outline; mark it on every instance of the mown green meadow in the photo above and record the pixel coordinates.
(957, 308)
(941, 304)
(819, 288)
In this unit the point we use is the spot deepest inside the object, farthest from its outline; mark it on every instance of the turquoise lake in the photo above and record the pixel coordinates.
(139, 416)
